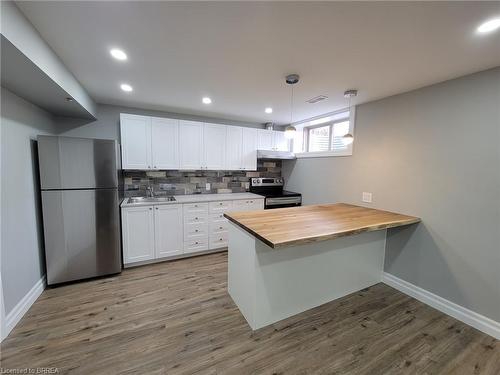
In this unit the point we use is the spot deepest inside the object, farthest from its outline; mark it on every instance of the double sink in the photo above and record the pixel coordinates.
(150, 199)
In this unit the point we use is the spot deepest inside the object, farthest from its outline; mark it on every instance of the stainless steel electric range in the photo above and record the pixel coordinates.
(272, 189)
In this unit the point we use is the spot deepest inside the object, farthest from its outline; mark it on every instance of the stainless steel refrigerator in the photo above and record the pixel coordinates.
(81, 222)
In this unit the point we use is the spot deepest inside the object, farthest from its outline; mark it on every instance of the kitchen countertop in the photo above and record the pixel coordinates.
(294, 226)
(196, 198)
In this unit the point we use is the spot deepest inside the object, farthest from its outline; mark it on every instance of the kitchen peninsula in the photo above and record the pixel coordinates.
(285, 261)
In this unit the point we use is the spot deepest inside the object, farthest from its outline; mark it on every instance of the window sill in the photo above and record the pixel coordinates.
(323, 154)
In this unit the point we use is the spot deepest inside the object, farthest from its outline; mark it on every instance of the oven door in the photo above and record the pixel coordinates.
(281, 202)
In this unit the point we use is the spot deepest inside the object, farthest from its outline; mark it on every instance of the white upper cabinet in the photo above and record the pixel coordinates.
(249, 149)
(169, 144)
(233, 147)
(214, 147)
(168, 230)
(165, 143)
(190, 144)
(280, 143)
(135, 133)
(265, 139)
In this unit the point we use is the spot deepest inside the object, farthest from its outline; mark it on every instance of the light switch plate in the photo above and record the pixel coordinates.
(207, 186)
(367, 197)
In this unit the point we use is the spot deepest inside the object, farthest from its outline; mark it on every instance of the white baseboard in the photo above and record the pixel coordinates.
(478, 321)
(22, 307)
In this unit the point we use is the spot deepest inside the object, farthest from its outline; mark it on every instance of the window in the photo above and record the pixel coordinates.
(324, 136)
(318, 139)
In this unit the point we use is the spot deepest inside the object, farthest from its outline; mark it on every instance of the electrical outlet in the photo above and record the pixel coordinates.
(367, 197)
(207, 186)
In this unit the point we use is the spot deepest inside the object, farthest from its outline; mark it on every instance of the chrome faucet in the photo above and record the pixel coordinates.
(149, 191)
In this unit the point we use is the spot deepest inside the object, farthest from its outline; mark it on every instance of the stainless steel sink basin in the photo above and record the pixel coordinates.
(150, 199)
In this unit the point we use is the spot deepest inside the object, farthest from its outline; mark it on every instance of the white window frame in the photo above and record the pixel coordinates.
(336, 117)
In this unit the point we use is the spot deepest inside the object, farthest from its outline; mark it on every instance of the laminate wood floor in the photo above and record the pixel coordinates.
(177, 318)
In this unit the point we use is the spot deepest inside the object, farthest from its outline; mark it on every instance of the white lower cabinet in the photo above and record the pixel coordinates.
(162, 231)
(195, 227)
(138, 234)
(168, 230)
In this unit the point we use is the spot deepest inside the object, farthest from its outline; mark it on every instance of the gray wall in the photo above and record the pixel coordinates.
(432, 153)
(107, 124)
(22, 260)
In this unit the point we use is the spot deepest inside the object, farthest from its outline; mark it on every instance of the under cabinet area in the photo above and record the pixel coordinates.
(163, 231)
(154, 143)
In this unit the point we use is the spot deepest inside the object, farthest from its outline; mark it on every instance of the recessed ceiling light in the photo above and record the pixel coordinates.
(206, 100)
(489, 26)
(118, 54)
(126, 87)
(268, 110)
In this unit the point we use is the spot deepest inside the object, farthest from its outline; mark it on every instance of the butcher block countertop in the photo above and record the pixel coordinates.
(295, 226)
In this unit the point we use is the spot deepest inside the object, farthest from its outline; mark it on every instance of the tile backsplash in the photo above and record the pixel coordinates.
(191, 182)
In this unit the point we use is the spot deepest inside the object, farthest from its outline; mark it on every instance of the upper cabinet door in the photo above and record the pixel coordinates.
(249, 149)
(190, 144)
(165, 143)
(265, 139)
(135, 134)
(280, 142)
(214, 146)
(233, 147)
(168, 230)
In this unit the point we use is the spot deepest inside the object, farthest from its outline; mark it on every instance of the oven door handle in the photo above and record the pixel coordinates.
(279, 201)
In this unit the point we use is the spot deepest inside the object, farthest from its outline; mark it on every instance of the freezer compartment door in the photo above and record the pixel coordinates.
(77, 163)
(82, 234)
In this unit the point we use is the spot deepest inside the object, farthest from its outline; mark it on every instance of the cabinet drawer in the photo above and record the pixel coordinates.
(195, 208)
(218, 227)
(221, 206)
(218, 240)
(255, 204)
(216, 218)
(196, 244)
(239, 205)
(195, 218)
(195, 230)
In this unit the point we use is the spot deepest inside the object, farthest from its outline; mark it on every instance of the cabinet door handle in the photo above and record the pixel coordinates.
(220, 203)
(196, 218)
(196, 230)
(156, 207)
(220, 228)
(196, 243)
(150, 208)
(220, 239)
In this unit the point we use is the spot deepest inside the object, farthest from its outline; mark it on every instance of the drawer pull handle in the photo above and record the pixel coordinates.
(150, 208)
(221, 228)
(196, 218)
(220, 204)
(196, 230)
(220, 239)
(196, 243)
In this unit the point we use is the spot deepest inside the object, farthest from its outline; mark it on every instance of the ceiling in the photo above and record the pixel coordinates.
(238, 53)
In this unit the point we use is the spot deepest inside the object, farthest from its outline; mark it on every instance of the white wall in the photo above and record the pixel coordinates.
(433, 153)
(22, 258)
(107, 124)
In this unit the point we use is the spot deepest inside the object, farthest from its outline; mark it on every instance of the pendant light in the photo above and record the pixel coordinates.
(290, 130)
(348, 138)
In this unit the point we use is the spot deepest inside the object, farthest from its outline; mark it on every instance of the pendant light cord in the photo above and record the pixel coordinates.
(291, 107)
